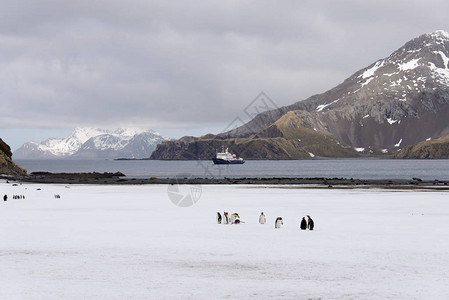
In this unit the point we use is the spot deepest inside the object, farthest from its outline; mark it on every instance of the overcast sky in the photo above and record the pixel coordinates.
(184, 67)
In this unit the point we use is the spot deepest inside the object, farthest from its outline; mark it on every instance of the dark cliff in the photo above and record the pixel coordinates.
(7, 166)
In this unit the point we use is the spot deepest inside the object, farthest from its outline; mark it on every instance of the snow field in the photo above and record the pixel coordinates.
(131, 242)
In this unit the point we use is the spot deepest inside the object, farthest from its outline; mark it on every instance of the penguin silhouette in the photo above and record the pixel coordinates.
(5, 198)
(278, 222)
(303, 225)
(218, 218)
(262, 218)
(310, 223)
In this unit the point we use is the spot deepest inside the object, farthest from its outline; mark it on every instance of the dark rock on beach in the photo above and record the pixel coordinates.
(286, 182)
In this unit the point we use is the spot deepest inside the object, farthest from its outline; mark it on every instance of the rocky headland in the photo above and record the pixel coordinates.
(7, 166)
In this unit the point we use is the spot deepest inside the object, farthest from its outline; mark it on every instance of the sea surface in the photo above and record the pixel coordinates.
(348, 168)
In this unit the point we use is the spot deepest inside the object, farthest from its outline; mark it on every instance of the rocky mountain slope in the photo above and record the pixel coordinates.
(7, 166)
(396, 101)
(437, 149)
(286, 138)
(93, 143)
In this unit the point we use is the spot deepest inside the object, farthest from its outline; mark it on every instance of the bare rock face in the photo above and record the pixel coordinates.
(397, 101)
(7, 166)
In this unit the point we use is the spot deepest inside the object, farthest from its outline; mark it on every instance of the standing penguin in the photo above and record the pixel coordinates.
(310, 223)
(218, 218)
(225, 218)
(5, 198)
(262, 218)
(278, 222)
(303, 225)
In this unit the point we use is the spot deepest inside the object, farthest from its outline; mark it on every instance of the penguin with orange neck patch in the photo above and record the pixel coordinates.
(234, 218)
(225, 218)
(262, 218)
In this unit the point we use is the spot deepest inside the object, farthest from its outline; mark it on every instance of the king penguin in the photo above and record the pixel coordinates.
(262, 218)
(310, 223)
(218, 218)
(225, 218)
(303, 225)
(234, 217)
(278, 222)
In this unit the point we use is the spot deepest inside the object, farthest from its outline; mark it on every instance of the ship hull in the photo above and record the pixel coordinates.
(219, 161)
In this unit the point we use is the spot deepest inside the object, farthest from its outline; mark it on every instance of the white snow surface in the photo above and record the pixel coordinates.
(131, 242)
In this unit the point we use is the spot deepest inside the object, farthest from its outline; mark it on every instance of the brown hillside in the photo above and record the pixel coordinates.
(436, 149)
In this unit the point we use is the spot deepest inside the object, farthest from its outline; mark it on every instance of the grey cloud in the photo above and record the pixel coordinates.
(162, 63)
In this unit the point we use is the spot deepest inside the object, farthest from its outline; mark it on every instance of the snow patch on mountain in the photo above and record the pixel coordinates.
(391, 121)
(410, 65)
(370, 72)
(323, 106)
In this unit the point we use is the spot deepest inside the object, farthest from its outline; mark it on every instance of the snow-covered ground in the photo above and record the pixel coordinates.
(132, 242)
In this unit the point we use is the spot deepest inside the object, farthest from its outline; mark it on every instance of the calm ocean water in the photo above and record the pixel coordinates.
(348, 168)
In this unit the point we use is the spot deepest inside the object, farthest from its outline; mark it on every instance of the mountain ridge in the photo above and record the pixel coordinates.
(394, 102)
(94, 143)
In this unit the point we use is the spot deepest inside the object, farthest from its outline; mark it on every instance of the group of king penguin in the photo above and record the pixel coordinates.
(235, 219)
(226, 219)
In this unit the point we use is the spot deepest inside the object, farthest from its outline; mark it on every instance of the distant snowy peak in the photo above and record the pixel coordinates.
(398, 100)
(86, 142)
(425, 56)
(421, 65)
(440, 36)
(132, 131)
(83, 134)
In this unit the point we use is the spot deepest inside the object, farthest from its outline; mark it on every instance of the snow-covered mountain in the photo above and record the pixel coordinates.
(396, 101)
(94, 143)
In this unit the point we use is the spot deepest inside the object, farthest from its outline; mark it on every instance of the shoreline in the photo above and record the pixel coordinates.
(313, 182)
